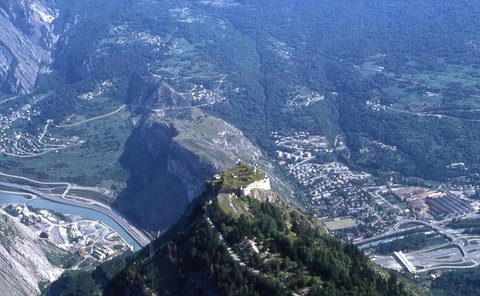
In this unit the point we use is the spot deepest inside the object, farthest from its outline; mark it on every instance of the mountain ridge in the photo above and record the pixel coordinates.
(229, 244)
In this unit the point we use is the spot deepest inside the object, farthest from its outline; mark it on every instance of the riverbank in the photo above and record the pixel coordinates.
(66, 209)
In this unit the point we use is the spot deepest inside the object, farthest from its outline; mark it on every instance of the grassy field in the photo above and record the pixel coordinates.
(450, 86)
(240, 176)
(233, 205)
(339, 223)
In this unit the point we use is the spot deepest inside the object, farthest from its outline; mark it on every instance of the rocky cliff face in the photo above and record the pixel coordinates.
(200, 146)
(156, 94)
(23, 263)
(26, 39)
(171, 158)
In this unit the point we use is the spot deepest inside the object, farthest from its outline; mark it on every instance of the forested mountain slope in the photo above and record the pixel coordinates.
(251, 245)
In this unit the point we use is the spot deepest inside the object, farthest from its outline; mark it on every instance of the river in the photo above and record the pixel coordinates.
(65, 209)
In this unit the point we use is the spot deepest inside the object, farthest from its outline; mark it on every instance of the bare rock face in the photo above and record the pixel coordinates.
(171, 158)
(23, 263)
(26, 38)
(200, 146)
(157, 95)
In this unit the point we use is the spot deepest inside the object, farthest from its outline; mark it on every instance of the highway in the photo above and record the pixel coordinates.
(394, 231)
(461, 250)
(138, 235)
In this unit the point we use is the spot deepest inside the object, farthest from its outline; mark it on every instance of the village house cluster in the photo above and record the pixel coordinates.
(281, 49)
(305, 100)
(375, 105)
(203, 96)
(332, 189)
(24, 143)
(300, 146)
(26, 113)
(468, 185)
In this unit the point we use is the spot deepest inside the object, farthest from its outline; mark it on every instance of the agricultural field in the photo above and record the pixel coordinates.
(451, 87)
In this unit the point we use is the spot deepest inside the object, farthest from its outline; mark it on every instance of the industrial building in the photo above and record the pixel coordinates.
(447, 206)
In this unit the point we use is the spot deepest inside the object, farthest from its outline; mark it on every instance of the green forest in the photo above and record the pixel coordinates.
(193, 259)
(325, 40)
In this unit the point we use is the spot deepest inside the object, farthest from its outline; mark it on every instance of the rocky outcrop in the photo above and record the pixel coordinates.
(26, 38)
(156, 94)
(200, 146)
(190, 168)
(263, 184)
(23, 263)
(170, 157)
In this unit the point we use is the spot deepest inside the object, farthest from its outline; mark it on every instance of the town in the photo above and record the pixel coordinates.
(22, 142)
(202, 96)
(437, 224)
(331, 189)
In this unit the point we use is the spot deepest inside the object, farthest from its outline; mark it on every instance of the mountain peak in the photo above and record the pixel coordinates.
(235, 244)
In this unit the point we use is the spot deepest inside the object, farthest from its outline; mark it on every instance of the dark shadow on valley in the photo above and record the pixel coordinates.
(153, 198)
